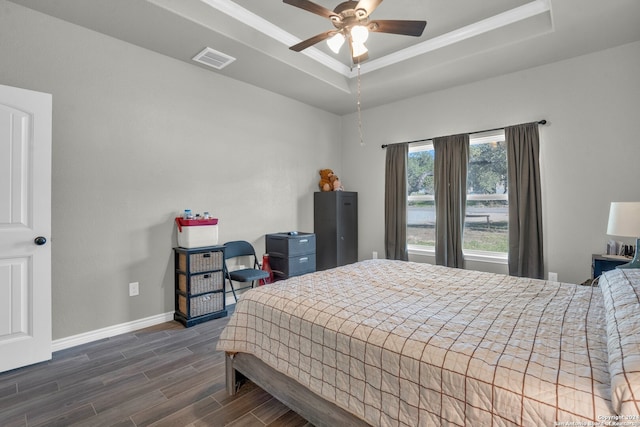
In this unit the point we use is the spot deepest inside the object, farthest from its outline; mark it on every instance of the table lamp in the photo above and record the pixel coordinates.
(624, 221)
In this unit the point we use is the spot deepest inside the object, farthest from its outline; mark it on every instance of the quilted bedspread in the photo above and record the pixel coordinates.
(411, 344)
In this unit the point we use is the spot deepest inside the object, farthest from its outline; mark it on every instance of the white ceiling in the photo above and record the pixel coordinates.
(464, 41)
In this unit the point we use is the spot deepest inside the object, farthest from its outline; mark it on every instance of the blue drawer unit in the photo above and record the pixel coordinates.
(602, 263)
(291, 254)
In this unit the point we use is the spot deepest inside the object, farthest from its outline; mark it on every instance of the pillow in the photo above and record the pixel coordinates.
(621, 292)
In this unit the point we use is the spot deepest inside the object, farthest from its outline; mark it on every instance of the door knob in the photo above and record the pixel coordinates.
(40, 240)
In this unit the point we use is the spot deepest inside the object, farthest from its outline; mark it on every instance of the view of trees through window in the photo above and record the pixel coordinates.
(421, 214)
(486, 221)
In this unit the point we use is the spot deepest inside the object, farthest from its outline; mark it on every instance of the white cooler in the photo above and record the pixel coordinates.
(196, 233)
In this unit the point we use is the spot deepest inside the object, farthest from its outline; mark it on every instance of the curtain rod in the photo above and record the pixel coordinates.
(541, 122)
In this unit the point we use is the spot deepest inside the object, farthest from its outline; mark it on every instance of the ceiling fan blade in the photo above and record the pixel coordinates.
(313, 40)
(405, 28)
(368, 5)
(311, 7)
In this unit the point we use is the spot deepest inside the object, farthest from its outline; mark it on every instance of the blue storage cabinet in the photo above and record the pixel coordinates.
(291, 254)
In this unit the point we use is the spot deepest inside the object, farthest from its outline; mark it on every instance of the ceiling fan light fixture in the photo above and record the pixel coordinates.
(351, 21)
(336, 42)
(359, 34)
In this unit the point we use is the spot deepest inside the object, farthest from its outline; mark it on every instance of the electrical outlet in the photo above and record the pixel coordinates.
(553, 277)
(375, 255)
(134, 289)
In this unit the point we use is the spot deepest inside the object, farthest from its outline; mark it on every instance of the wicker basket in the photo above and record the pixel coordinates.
(201, 283)
(203, 261)
(201, 305)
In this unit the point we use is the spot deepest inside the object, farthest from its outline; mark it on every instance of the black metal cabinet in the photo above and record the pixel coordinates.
(335, 217)
(291, 254)
(602, 263)
(199, 283)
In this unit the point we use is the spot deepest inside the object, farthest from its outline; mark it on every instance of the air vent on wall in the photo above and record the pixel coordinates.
(213, 58)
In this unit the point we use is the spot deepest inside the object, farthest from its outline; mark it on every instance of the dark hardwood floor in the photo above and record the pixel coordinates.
(166, 375)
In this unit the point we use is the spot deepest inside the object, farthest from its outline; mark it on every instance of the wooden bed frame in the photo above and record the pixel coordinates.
(315, 409)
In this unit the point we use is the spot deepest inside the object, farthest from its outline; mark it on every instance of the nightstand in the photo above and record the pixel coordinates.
(602, 263)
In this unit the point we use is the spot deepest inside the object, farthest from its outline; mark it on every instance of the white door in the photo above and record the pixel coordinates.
(25, 227)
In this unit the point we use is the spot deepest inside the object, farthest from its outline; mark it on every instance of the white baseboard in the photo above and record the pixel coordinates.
(87, 337)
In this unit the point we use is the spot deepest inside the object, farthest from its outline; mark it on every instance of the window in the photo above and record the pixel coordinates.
(487, 213)
(421, 208)
(486, 221)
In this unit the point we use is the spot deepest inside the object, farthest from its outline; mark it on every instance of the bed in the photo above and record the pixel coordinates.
(393, 343)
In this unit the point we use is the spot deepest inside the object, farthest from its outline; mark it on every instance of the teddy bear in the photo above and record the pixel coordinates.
(325, 183)
(329, 181)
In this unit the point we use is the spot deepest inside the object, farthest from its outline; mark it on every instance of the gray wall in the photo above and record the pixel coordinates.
(137, 138)
(589, 148)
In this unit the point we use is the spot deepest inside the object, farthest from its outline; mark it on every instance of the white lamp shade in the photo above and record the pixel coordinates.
(624, 219)
(335, 42)
(359, 34)
(358, 49)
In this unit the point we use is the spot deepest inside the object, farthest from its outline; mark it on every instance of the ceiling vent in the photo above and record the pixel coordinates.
(213, 58)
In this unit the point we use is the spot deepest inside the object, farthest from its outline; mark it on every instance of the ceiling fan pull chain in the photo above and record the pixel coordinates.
(359, 110)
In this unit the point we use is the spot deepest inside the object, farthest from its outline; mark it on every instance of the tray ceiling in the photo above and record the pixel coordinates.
(464, 41)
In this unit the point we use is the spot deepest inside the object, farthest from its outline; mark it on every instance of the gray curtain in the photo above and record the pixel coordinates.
(395, 202)
(450, 179)
(525, 206)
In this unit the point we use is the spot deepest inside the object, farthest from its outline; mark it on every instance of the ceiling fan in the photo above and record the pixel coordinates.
(352, 23)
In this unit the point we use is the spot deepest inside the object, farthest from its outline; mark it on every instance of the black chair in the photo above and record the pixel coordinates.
(238, 249)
